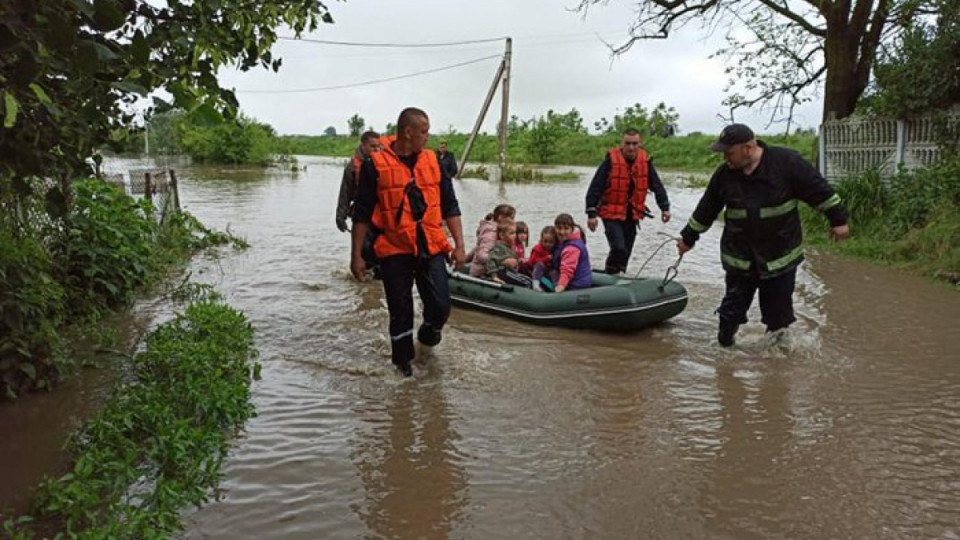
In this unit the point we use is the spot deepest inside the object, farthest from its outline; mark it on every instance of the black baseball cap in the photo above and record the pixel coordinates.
(731, 135)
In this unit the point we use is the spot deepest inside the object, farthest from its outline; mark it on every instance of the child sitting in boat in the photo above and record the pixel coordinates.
(502, 265)
(570, 256)
(523, 238)
(487, 237)
(541, 256)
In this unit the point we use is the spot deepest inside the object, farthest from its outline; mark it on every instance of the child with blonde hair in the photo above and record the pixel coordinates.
(502, 265)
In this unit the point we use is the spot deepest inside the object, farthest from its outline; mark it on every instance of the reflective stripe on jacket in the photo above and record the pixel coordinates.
(627, 185)
(399, 236)
(762, 233)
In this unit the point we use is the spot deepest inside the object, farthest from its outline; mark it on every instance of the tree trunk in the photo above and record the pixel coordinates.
(842, 87)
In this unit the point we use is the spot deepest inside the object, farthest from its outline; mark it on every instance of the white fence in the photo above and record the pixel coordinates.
(853, 145)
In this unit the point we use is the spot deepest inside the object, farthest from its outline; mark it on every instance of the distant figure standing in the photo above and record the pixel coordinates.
(448, 163)
(404, 194)
(369, 143)
(758, 188)
(618, 195)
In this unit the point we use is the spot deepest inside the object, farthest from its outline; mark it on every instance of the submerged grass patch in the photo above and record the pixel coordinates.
(158, 444)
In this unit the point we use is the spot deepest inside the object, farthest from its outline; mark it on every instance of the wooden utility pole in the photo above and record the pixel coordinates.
(483, 113)
(501, 77)
(505, 106)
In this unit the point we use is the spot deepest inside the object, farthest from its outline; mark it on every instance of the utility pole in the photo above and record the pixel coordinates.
(502, 76)
(505, 106)
(480, 117)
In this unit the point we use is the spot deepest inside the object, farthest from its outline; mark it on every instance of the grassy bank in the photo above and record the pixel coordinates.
(689, 152)
(911, 222)
(158, 444)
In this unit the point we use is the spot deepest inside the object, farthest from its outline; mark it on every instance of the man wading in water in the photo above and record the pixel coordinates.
(761, 246)
(406, 196)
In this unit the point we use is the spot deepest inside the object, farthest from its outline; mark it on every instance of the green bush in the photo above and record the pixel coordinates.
(66, 273)
(157, 446)
(912, 220)
(239, 141)
(32, 305)
(105, 251)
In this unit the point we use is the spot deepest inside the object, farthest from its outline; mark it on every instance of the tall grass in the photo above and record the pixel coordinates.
(911, 221)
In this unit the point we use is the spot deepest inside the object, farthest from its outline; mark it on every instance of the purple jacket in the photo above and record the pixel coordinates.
(580, 276)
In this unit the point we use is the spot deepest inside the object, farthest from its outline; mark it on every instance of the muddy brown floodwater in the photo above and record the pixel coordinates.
(847, 428)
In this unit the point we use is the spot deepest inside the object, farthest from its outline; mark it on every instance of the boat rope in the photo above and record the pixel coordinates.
(672, 270)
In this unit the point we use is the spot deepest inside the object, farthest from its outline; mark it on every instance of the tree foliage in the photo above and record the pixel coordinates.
(781, 52)
(355, 124)
(240, 140)
(920, 71)
(71, 70)
(661, 121)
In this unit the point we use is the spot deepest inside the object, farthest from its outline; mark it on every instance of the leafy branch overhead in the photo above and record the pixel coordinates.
(70, 70)
(781, 52)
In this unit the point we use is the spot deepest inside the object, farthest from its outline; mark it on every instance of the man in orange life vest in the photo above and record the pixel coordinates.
(618, 195)
(405, 196)
(369, 143)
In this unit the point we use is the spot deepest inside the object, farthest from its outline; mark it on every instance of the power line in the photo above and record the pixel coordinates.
(408, 45)
(375, 81)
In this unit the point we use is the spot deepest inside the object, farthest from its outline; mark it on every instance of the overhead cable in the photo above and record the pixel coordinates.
(406, 45)
(375, 81)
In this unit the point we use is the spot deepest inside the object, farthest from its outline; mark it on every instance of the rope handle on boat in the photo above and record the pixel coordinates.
(672, 270)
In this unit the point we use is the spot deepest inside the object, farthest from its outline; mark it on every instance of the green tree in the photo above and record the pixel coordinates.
(543, 134)
(780, 52)
(330, 131)
(920, 71)
(241, 140)
(72, 70)
(355, 123)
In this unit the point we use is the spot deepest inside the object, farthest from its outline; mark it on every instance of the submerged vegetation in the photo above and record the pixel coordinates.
(911, 221)
(521, 173)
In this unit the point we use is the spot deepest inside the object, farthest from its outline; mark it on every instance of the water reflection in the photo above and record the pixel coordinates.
(406, 456)
(755, 432)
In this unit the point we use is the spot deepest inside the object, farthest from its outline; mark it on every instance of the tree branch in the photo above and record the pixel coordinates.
(795, 17)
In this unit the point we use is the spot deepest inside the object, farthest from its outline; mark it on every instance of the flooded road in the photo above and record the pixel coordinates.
(848, 428)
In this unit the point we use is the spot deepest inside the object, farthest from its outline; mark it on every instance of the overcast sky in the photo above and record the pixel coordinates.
(558, 63)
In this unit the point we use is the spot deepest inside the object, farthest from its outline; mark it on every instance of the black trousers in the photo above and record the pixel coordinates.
(620, 237)
(399, 272)
(776, 299)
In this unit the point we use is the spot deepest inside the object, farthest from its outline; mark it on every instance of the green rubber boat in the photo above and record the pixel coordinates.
(613, 304)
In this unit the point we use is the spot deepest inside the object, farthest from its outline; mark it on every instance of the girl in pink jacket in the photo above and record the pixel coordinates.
(487, 237)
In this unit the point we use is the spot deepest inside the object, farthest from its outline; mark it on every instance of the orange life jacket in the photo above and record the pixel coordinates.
(357, 164)
(400, 236)
(613, 204)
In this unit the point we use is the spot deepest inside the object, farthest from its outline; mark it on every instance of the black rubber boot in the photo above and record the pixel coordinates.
(727, 332)
(405, 369)
(428, 335)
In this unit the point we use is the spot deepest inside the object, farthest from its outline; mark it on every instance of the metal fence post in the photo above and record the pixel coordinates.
(176, 189)
(822, 153)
